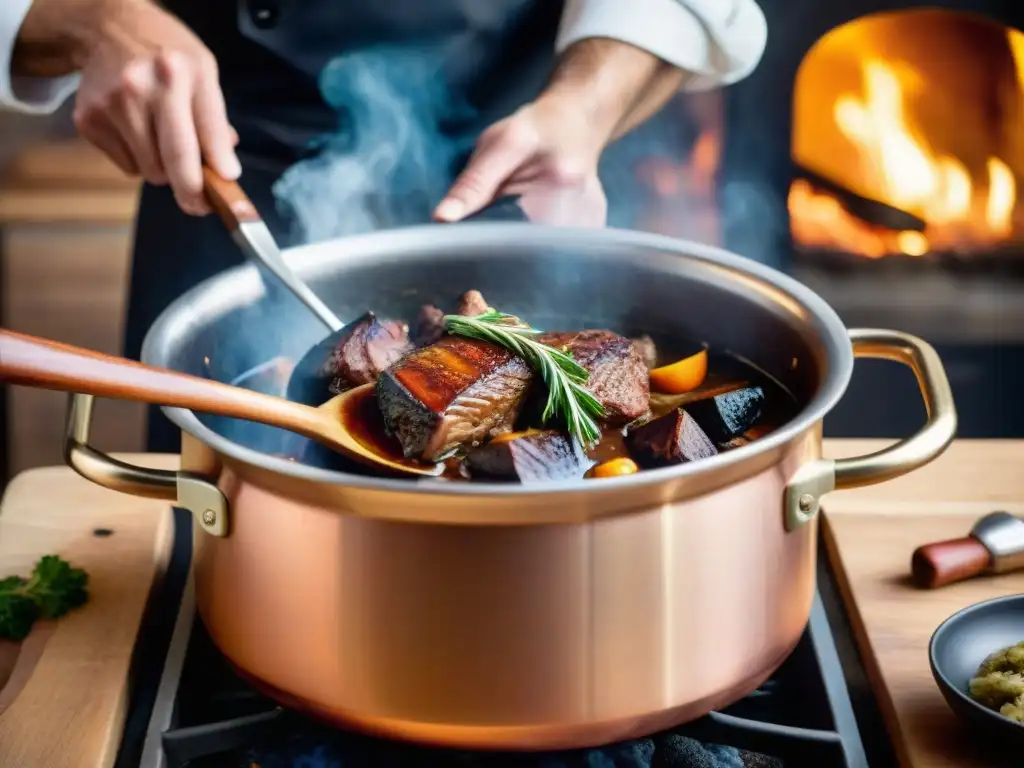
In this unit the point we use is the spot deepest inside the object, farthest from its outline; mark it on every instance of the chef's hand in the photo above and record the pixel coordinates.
(544, 153)
(150, 99)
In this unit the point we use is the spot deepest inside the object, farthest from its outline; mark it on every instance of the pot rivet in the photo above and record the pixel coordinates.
(210, 517)
(806, 502)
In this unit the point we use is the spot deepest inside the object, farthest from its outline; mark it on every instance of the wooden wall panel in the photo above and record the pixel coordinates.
(66, 219)
(67, 284)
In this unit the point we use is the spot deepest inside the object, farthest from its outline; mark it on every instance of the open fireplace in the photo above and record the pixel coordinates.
(877, 155)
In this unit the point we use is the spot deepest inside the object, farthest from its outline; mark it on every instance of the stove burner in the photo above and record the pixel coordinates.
(204, 716)
(331, 748)
(760, 730)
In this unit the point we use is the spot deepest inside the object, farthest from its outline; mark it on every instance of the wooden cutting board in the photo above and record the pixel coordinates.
(63, 690)
(870, 534)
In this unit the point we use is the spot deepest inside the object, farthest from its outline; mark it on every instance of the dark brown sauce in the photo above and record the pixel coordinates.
(612, 446)
(365, 423)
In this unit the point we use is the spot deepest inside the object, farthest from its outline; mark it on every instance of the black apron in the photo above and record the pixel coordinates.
(287, 74)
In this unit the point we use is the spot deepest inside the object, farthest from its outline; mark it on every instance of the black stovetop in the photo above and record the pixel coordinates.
(189, 710)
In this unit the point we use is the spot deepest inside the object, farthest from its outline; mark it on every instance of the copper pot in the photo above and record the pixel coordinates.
(496, 616)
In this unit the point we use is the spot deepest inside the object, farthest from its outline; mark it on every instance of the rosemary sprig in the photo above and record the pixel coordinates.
(564, 377)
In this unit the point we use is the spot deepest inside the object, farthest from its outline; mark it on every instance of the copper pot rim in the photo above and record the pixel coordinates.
(802, 303)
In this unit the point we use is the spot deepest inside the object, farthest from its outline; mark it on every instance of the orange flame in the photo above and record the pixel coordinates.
(685, 203)
(895, 161)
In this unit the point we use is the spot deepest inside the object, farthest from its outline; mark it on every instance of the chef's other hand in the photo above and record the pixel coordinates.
(150, 98)
(544, 153)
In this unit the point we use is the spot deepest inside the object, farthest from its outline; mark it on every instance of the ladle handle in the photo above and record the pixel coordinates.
(253, 236)
(46, 364)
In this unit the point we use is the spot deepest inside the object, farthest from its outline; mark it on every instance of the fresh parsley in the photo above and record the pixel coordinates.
(564, 377)
(53, 589)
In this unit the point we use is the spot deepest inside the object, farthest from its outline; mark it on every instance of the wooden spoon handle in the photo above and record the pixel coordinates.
(48, 364)
(228, 200)
(944, 562)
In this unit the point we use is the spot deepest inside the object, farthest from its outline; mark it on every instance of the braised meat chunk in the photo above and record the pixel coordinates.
(670, 439)
(472, 303)
(430, 323)
(727, 416)
(456, 392)
(486, 395)
(429, 326)
(647, 349)
(618, 375)
(367, 348)
(535, 455)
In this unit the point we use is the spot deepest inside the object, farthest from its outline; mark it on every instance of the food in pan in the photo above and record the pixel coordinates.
(726, 416)
(456, 392)
(616, 374)
(529, 456)
(999, 682)
(366, 350)
(680, 376)
(674, 438)
(493, 398)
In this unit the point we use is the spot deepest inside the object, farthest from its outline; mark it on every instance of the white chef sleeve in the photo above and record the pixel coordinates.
(719, 41)
(33, 95)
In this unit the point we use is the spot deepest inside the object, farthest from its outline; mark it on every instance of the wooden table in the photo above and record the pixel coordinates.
(870, 534)
(64, 689)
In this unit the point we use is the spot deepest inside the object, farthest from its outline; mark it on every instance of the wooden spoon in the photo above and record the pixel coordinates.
(51, 365)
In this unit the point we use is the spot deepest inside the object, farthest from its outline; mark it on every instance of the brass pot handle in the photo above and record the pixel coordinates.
(183, 489)
(937, 433)
(805, 489)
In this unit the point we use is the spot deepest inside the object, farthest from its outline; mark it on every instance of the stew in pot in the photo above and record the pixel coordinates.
(495, 399)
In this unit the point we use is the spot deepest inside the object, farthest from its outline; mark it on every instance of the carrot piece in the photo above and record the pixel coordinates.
(614, 468)
(681, 376)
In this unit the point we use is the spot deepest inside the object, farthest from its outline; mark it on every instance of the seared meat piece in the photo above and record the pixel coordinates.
(430, 323)
(367, 348)
(728, 415)
(456, 392)
(429, 326)
(671, 439)
(385, 343)
(531, 456)
(618, 376)
(648, 351)
(472, 303)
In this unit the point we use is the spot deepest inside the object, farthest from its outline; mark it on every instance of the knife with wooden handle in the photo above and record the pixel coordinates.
(994, 545)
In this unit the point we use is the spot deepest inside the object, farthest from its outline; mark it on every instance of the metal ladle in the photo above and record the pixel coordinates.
(253, 236)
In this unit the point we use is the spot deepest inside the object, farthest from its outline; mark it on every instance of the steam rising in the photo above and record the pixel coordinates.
(395, 153)
(390, 162)
(400, 136)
